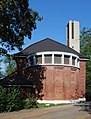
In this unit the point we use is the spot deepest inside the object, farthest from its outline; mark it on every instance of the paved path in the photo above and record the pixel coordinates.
(57, 112)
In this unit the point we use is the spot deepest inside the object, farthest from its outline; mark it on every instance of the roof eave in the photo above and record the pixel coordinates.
(17, 85)
(83, 59)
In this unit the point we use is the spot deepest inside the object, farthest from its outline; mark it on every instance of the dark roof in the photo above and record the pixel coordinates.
(47, 45)
(15, 79)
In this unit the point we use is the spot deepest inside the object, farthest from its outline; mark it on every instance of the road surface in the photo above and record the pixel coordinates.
(57, 112)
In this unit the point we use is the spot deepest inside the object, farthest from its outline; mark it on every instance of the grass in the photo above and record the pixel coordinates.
(49, 105)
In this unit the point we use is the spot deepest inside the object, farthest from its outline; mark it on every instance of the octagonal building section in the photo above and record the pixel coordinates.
(59, 69)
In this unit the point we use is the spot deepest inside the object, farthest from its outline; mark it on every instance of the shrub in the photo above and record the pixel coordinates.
(30, 102)
(14, 100)
(88, 94)
(2, 99)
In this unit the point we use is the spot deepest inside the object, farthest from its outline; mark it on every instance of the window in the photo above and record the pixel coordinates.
(31, 60)
(72, 30)
(48, 58)
(73, 60)
(66, 59)
(57, 59)
(72, 47)
(78, 62)
(39, 59)
(68, 31)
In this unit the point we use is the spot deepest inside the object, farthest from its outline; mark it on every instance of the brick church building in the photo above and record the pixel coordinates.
(56, 73)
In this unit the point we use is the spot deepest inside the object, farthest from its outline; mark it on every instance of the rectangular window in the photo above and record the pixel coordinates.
(73, 60)
(39, 59)
(72, 30)
(48, 58)
(78, 62)
(68, 31)
(66, 59)
(57, 59)
(31, 60)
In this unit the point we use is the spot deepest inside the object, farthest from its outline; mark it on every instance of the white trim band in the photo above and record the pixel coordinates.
(53, 53)
(60, 101)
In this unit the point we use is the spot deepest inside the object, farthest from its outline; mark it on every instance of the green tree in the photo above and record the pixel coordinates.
(1, 72)
(17, 21)
(10, 65)
(86, 51)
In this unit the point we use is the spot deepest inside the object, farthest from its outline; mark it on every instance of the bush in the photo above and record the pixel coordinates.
(30, 102)
(14, 100)
(2, 99)
(88, 88)
(88, 94)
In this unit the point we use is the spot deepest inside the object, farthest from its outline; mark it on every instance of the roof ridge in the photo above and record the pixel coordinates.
(35, 43)
(39, 42)
(31, 45)
(65, 46)
(37, 47)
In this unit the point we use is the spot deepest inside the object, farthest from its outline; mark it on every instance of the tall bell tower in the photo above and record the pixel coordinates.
(73, 35)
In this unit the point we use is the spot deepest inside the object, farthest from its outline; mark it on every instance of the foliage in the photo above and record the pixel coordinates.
(1, 73)
(86, 51)
(30, 102)
(86, 42)
(10, 100)
(14, 100)
(10, 65)
(17, 21)
(2, 99)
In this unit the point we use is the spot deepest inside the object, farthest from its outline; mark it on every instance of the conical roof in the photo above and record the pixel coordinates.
(47, 45)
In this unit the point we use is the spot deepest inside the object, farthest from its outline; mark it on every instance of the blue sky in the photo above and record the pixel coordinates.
(56, 14)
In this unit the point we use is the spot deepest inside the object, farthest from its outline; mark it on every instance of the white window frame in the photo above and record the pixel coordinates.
(56, 53)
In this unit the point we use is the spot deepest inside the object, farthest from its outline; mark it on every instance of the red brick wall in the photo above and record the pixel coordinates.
(61, 83)
(56, 82)
(82, 78)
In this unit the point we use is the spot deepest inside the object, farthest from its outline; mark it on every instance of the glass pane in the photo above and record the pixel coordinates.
(48, 58)
(31, 60)
(39, 59)
(66, 59)
(57, 59)
(73, 60)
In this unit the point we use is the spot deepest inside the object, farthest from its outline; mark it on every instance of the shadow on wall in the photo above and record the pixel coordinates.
(77, 95)
(36, 74)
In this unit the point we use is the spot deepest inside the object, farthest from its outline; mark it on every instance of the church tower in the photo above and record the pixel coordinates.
(73, 35)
